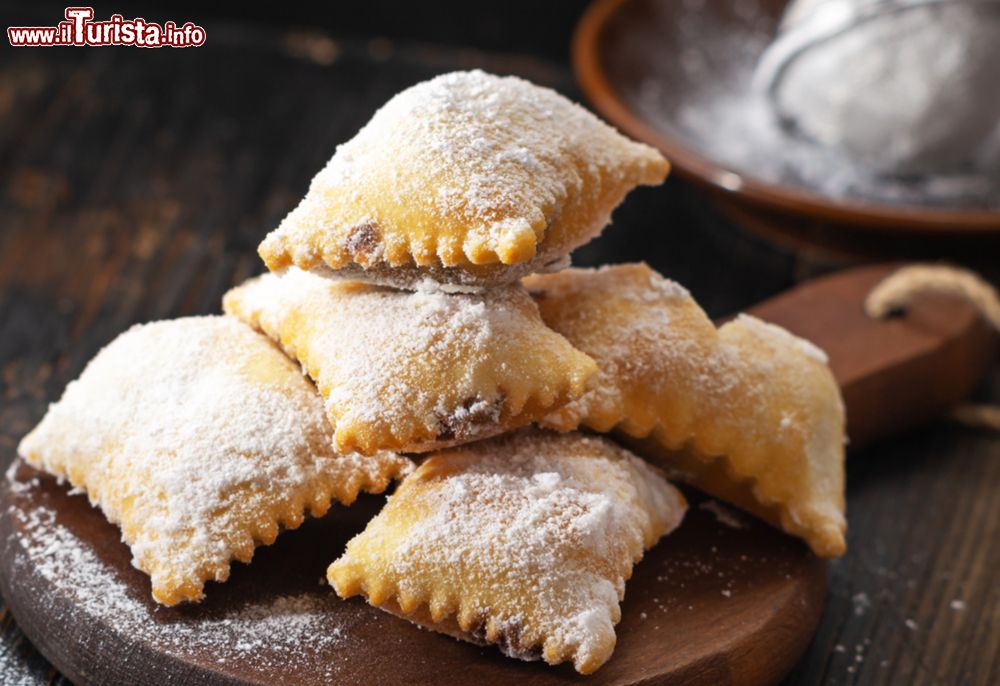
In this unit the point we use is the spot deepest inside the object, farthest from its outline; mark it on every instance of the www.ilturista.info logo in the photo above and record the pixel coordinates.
(80, 29)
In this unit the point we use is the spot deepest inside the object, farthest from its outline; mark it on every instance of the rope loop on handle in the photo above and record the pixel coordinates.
(894, 293)
(898, 289)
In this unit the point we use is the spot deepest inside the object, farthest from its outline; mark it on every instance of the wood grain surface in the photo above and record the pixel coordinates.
(135, 185)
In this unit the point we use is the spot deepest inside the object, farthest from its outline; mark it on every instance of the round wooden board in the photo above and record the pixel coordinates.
(711, 604)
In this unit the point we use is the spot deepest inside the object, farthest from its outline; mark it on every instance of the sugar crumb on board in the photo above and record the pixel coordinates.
(861, 603)
(262, 634)
(14, 668)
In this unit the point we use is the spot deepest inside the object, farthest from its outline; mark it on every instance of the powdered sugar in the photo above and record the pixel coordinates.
(259, 633)
(460, 178)
(621, 332)
(13, 662)
(748, 391)
(199, 438)
(667, 287)
(403, 369)
(507, 137)
(785, 337)
(535, 509)
(722, 117)
(537, 531)
(627, 284)
(622, 314)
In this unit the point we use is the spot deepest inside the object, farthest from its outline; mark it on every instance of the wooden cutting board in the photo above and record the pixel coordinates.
(723, 600)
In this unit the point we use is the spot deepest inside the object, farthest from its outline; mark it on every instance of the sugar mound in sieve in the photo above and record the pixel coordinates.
(901, 87)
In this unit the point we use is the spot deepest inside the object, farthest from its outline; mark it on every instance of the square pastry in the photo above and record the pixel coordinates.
(415, 371)
(524, 541)
(747, 412)
(201, 440)
(469, 179)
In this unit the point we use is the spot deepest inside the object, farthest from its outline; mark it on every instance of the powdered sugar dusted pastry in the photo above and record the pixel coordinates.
(524, 541)
(199, 438)
(748, 412)
(459, 178)
(415, 371)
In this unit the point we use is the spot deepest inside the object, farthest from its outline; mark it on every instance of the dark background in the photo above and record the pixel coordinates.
(135, 185)
(514, 26)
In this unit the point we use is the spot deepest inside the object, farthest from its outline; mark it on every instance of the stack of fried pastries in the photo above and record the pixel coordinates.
(419, 323)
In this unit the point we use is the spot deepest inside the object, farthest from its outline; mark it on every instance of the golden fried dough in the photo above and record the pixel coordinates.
(524, 541)
(414, 371)
(747, 412)
(469, 179)
(200, 439)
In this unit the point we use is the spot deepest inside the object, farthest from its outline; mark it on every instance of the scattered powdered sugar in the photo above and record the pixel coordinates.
(281, 624)
(13, 670)
(666, 371)
(519, 149)
(428, 284)
(193, 434)
(416, 366)
(13, 483)
(260, 633)
(468, 179)
(538, 529)
(17, 486)
(509, 499)
(634, 281)
(725, 119)
(768, 330)
(667, 287)
(61, 558)
(861, 603)
(574, 302)
(724, 515)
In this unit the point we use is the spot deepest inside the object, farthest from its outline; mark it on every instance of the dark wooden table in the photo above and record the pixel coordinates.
(135, 185)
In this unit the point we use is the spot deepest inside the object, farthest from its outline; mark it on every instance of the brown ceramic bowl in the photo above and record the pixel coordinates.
(621, 44)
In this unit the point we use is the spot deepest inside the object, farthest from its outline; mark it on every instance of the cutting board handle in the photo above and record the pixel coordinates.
(894, 372)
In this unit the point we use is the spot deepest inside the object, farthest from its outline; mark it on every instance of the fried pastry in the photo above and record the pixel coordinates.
(468, 179)
(200, 439)
(416, 371)
(747, 412)
(524, 541)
